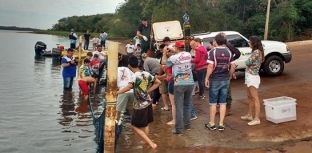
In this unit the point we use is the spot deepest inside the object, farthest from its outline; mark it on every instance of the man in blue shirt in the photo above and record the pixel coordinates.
(103, 39)
(69, 65)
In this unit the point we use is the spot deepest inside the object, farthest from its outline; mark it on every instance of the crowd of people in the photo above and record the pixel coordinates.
(174, 76)
(96, 40)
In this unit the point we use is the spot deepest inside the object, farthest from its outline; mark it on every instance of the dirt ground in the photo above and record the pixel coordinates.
(289, 137)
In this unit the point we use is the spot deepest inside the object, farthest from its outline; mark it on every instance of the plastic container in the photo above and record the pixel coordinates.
(280, 109)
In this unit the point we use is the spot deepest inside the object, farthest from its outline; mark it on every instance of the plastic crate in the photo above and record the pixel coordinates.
(280, 109)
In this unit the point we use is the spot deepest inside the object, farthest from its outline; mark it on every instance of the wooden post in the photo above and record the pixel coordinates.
(79, 54)
(111, 98)
(267, 21)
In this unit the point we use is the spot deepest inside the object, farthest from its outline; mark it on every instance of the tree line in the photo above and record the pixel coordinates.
(17, 28)
(289, 19)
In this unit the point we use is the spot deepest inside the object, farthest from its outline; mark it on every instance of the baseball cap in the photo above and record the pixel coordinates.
(166, 39)
(179, 44)
(144, 19)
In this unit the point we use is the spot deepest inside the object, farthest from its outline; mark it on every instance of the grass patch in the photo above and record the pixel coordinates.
(111, 36)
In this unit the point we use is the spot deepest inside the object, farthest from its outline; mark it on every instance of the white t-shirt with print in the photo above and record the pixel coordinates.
(181, 68)
(101, 56)
(124, 76)
(130, 48)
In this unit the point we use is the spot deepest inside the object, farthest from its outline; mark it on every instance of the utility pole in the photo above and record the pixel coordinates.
(267, 21)
(111, 98)
(187, 32)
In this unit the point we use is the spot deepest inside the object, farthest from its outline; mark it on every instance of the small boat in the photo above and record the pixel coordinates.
(56, 52)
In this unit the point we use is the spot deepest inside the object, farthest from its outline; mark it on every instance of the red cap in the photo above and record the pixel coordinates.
(179, 44)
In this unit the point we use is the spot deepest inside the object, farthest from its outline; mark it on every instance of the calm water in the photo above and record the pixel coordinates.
(35, 115)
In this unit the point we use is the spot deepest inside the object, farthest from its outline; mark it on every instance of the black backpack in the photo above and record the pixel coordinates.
(71, 36)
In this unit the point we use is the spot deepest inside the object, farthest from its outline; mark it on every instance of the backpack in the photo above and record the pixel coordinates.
(71, 36)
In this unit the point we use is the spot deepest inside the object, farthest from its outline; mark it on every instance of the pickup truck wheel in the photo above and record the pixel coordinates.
(274, 65)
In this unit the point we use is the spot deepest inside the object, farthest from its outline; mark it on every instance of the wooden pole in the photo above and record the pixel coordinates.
(79, 54)
(267, 21)
(111, 98)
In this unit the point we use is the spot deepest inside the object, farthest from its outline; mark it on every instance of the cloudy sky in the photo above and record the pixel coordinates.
(44, 13)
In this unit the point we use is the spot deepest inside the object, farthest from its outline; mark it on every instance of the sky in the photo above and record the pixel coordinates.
(42, 14)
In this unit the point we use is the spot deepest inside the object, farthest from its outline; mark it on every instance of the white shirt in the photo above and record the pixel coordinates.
(137, 41)
(101, 55)
(96, 40)
(124, 76)
(130, 48)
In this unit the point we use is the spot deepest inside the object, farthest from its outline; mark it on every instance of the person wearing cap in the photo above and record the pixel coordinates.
(130, 48)
(144, 32)
(73, 39)
(183, 85)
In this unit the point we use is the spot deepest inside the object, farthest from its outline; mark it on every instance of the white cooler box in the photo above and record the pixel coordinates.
(280, 109)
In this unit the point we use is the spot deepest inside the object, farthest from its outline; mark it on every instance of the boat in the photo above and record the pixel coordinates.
(56, 52)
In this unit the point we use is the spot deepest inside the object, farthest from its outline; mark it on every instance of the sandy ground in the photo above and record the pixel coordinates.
(290, 137)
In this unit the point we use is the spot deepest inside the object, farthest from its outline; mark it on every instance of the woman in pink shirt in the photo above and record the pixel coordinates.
(201, 64)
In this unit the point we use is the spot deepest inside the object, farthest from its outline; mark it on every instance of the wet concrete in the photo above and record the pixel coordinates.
(269, 137)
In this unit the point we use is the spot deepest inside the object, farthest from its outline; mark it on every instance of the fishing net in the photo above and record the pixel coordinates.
(97, 107)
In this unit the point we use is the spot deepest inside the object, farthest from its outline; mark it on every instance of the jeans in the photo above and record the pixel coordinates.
(192, 110)
(73, 45)
(103, 42)
(86, 45)
(68, 82)
(182, 98)
(218, 92)
(201, 74)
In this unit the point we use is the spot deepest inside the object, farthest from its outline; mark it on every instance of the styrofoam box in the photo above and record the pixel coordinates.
(280, 109)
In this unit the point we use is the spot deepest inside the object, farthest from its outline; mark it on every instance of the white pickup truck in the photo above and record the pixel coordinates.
(276, 53)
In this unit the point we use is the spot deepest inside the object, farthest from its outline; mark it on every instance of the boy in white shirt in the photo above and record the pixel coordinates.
(124, 76)
(130, 48)
(95, 41)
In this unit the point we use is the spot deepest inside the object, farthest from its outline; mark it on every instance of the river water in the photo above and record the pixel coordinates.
(36, 116)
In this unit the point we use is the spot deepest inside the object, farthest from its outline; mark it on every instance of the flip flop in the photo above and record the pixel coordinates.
(165, 109)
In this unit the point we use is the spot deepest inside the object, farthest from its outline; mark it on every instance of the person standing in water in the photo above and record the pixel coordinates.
(143, 111)
(69, 65)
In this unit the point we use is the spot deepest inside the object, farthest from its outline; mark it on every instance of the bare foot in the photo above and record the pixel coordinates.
(171, 123)
(153, 145)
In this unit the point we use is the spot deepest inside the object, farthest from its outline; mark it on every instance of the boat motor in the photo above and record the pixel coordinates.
(40, 47)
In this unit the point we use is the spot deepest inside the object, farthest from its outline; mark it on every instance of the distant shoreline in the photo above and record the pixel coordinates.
(59, 33)
(66, 33)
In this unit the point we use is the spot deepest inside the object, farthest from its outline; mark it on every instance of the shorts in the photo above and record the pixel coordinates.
(163, 88)
(252, 80)
(142, 117)
(122, 101)
(218, 92)
(83, 85)
(171, 87)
